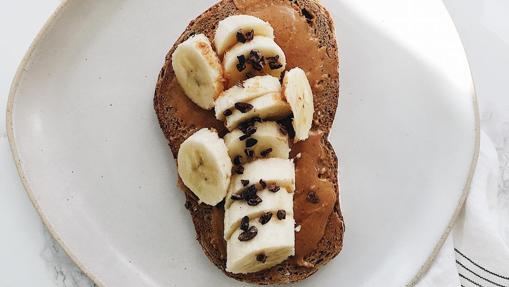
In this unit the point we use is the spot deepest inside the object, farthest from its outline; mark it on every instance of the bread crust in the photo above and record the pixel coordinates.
(325, 102)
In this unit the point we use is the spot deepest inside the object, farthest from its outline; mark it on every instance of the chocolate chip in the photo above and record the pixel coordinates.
(246, 126)
(256, 60)
(238, 169)
(249, 234)
(251, 142)
(261, 258)
(244, 37)
(236, 160)
(281, 214)
(188, 204)
(241, 38)
(243, 137)
(273, 187)
(251, 130)
(249, 152)
(249, 35)
(244, 223)
(227, 113)
(265, 153)
(242, 63)
(265, 218)
(262, 183)
(254, 201)
(243, 107)
(274, 62)
(313, 197)
(249, 192)
(307, 14)
(249, 75)
(236, 196)
(244, 182)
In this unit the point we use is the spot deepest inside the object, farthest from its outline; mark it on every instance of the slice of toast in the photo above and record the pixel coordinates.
(177, 127)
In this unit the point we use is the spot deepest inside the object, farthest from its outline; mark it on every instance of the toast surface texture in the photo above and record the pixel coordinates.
(177, 127)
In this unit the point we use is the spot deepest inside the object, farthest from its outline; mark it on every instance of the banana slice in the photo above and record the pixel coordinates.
(270, 202)
(273, 244)
(271, 107)
(228, 29)
(245, 59)
(298, 94)
(198, 70)
(204, 166)
(278, 171)
(270, 143)
(250, 89)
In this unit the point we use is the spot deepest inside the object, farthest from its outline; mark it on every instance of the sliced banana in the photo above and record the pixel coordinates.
(270, 202)
(271, 143)
(269, 107)
(198, 70)
(273, 243)
(204, 166)
(237, 70)
(298, 94)
(250, 89)
(227, 29)
(271, 170)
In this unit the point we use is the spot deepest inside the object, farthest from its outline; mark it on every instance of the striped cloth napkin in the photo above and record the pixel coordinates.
(477, 250)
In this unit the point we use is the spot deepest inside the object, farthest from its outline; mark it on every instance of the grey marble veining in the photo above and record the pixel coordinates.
(62, 268)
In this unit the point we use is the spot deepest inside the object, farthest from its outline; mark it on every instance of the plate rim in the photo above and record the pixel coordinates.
(15, 154)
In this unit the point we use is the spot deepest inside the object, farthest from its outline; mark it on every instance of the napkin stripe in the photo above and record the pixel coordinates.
(470, 280)
(494, 283)
(479, 266)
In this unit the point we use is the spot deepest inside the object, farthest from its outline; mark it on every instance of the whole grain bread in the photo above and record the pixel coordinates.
(177, 129)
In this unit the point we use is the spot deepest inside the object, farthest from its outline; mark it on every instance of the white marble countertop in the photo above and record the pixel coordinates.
(28, 254)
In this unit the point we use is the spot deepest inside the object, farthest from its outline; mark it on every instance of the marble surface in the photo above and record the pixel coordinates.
(28, 254)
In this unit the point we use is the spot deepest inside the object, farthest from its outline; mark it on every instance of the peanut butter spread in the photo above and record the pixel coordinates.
(314, 198)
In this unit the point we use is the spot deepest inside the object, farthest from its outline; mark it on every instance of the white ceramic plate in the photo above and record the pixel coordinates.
(98, 169)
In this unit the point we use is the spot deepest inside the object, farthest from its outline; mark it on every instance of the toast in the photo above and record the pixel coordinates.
(177, 126)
